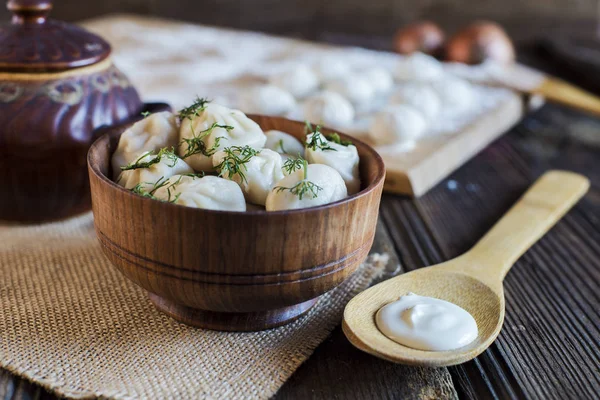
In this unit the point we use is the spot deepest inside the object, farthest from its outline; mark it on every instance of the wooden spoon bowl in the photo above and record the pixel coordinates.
(231, 270)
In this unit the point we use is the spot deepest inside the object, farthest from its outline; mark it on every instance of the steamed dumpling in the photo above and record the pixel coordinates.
(258, 170)
(268, 100)
(299, 81)
(329, 109)
(283, 143)
(323, 185)
(209, 192)
(343, 158)
(152, 133)
(420, 96)
(419, 67)
(355, 88)
(397, 123)
(380, 78)
(245, 132)
(167, 166)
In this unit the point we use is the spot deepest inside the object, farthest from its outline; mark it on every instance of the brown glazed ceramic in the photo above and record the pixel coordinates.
(57, 85)
(234, 271)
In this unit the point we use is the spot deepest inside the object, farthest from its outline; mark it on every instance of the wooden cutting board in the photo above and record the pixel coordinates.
(174, 61)
(413, 173)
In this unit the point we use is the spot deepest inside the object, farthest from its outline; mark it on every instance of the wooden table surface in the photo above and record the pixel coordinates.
(550, 345)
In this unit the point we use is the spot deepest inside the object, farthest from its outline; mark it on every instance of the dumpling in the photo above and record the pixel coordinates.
(256, 171)
(456, 94)
(209, 192)
(149, 168)
(380, 78)
(320, 184)
(329, 109)
(152, 133)
(331, 68)
(283, 143)
(268, 100)
(299, 81)
(419, 67)
(343, 157)
(421, 96)
(212, 128)
(355, 88)
(397, 123)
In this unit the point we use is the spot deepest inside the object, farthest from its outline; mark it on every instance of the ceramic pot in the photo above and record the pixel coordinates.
(58, 85)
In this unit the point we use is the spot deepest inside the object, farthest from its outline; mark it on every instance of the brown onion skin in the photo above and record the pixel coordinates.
(424, 36)
(478, 42)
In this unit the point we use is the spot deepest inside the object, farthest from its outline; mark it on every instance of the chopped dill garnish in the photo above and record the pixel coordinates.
(194, 110)
(292, 164)
(146, 113)
(196, 145)
(318, 141)
(234, 163)
(335, 138)
(195, 175)
(140, 189)
(166, 152)
(280, 143)
(302, 188)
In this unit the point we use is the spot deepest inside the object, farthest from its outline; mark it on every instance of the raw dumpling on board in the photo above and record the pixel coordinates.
(341, 156)
(456, 94)
(420, 96)
(419, 67)
(320, 185)
(209, 192)
(212, 128)
(300, 81)
(268, 100)
(397, 124)
(255, 171)
(329, 109)
(152, 133)
(356, 88)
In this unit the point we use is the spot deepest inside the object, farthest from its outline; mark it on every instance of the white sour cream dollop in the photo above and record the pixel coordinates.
(427, 323)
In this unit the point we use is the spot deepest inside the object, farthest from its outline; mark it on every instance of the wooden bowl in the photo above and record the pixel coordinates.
(234, 271)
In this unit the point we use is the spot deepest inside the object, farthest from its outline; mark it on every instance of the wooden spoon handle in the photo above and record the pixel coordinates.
(550, 197)
(561, 92)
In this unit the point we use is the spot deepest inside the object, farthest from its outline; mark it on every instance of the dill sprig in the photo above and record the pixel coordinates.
(196, 144)
(146, 113)
(141, 189)
(335, 138)
(280, 143)
(166, 152)
(234, 163)
(304, 187)
(318, 141)
(193, 110)
(292, 164)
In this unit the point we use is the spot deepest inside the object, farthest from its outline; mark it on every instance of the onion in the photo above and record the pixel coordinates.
(480, 41)
(424, 36)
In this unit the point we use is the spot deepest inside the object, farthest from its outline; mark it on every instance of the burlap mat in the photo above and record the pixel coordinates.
(70, 322)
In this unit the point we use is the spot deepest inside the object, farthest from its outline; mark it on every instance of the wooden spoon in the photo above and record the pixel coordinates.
(473, 281)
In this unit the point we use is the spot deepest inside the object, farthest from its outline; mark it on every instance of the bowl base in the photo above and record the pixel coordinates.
(233, 322)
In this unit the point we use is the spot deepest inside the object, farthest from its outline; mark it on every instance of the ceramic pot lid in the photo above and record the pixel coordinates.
(33, 43)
